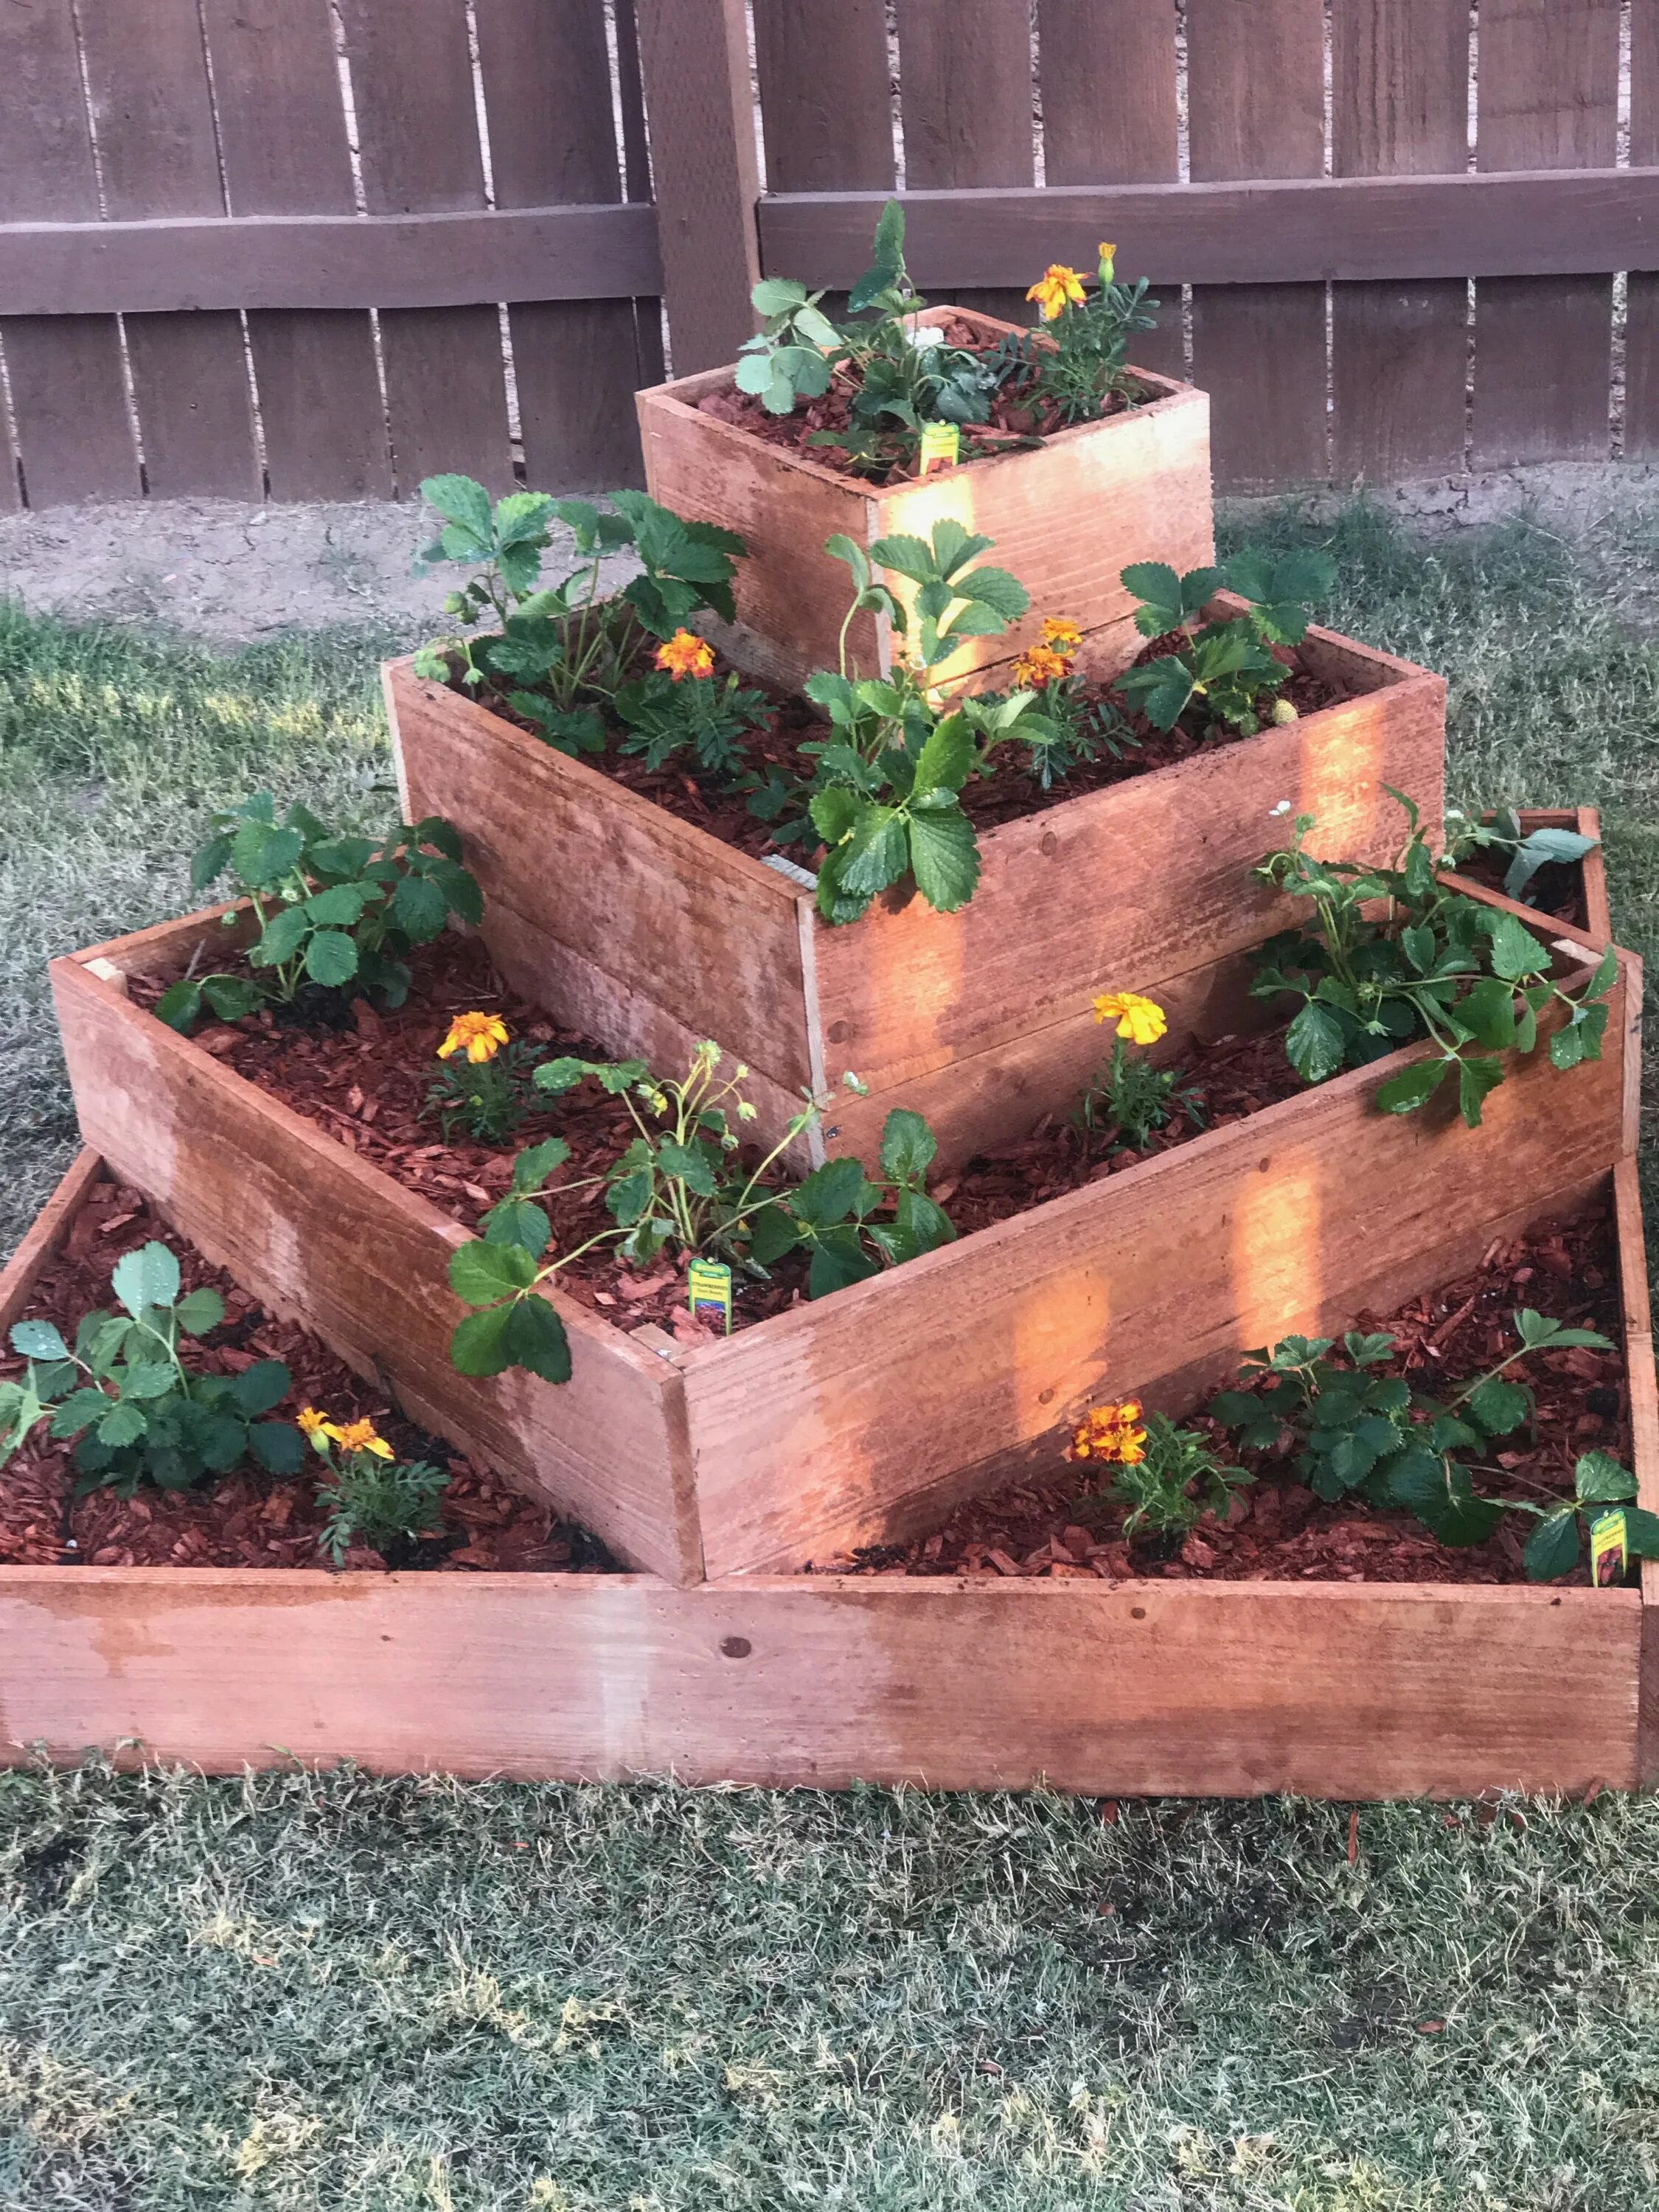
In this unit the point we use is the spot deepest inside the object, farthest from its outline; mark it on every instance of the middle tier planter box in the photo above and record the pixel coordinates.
(1067, 517)
(642, 930)
(862, 1417)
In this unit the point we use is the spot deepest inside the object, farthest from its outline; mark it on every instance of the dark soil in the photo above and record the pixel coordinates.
(248, 1519)
(1008, 795)
(366, 1084)
(1018, 418)
(1278, 1530)
(1557, 889)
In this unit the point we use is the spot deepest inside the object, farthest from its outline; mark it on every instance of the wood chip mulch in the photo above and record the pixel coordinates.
(1278, 1530)
(366, 1083)
(248, 1519)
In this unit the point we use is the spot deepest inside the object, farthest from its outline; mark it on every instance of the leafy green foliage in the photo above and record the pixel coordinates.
(332, 910)
(123, 1389)
(1363, 1433)
(1078, 359)
(1526, 851)
(1430, 963)
(679, 1186)
(369, 1498)
(1165, 1494)
(1129, 1099)
(555, 651)
(488, 1099)
(1227, 666)
(698, 714)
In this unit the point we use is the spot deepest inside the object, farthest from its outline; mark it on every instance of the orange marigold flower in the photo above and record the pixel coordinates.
(1040, 665)
(359, 1435)
(1056, 286)
(1064, 635)
(686, 654)
(481, 1036)
(1111, 1434)
(1140, 1020)
(311, 1422)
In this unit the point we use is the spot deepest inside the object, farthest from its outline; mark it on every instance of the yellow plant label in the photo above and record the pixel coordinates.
(941, 445)
(1609, 1549)
(709, 1293)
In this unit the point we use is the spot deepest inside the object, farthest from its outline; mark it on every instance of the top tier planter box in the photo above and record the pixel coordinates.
(1065, 516)
(642, 930)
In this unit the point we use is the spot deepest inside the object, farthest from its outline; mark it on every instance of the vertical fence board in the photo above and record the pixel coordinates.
(1108, 72)
(965, 99)
(282, 135)
(1256, 100)
(1399, 352)
(636, 182)
(1642, 313)
(1548, 98)
(153, 114)
(547, 94)
(826, 96)
(418, 137)
(694, 62)
(68, 393)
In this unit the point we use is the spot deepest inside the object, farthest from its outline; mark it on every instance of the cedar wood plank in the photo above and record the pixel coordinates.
(1144, 1689)
(819, 1429)
(702, 932)
(307, 1226)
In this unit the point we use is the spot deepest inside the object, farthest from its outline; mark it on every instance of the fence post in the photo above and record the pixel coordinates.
(693, 58)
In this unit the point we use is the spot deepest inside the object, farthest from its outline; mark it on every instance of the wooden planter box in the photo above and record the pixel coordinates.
(644, 931)
(864, 1416)
(1229, 1689)
(1067, 517)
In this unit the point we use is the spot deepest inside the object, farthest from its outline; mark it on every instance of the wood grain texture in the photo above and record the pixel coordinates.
(1399, 357)
(1107, 71)
(1081, 898)
(694, 61)
(1642, 300)
(158, 156)
(446, 387)
(677, 921)
(67, 396)
(965, 93)
(826, 105)
(283, 142)
(1548, 99)
(1144, 1689)
(1159, 1276)
(1142, 477)
(546, 78)
(304, 1225)
(1256, 102)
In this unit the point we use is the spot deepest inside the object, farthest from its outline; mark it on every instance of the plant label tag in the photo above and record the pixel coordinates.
(708, 1294)
(941, 445)
(1609, 1550)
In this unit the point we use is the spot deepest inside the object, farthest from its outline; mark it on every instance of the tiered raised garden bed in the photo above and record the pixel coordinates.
(1230, 1688)
(861, 1417)
(639, 927)
(1067, 516)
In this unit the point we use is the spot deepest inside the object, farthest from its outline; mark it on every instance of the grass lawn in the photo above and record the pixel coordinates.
(300, 1992)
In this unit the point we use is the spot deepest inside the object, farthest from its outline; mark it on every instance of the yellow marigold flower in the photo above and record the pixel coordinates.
(1056, 286)
(1140, 1020)
(312, 1423)
(481, 1036)
(1108, 257)
(1064, 635)
(1111, 1434)
(359, 1435)
(1040, 665)
(686, 654)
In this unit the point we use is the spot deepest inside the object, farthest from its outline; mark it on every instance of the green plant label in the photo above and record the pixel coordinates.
(709, 1293)
(1609, 1549)
(941, 445)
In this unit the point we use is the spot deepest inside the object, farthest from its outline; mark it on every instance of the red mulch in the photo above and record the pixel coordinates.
(1016, 420)
(1278, 1530)
(1008, 795)
(366, 1084)
(247, 1519)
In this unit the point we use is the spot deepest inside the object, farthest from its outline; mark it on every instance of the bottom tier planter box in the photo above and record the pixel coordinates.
(863, 1417)
(1340, 1690)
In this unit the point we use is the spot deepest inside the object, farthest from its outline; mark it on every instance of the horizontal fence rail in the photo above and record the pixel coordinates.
(321, 248)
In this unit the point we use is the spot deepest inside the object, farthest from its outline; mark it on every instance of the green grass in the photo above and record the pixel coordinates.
(343, 1993)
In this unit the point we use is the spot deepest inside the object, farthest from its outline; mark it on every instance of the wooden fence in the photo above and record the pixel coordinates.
(320, 248)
